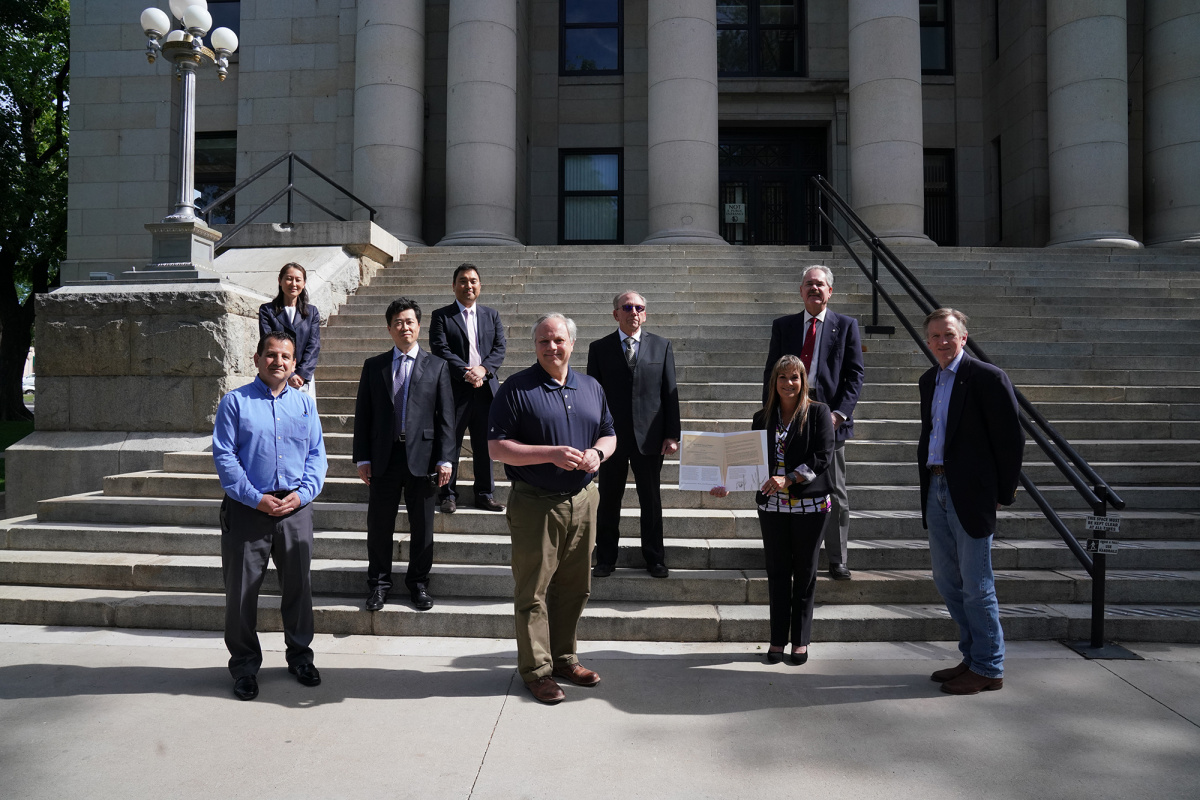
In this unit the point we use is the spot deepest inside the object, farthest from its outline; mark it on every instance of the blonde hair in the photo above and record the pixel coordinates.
(788, 362)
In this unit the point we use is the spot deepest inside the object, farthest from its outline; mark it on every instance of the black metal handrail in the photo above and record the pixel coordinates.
(292, 159)
(1098, 495)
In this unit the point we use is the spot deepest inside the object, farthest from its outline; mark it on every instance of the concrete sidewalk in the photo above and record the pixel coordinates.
(119, 713)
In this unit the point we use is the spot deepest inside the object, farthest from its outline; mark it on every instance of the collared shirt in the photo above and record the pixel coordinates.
(533, 408)
(941, 406)
(637, 341)
(291, 313)
(263, 443)
(471, 322)
(816, 355)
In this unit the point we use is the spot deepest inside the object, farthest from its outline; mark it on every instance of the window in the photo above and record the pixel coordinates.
(936, 38)
(226, 14)
(590, 40)
(216, 173)
(760, 37)
(590, 202)
(940, 223)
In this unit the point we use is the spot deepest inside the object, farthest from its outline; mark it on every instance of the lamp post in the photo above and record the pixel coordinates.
(182, 244)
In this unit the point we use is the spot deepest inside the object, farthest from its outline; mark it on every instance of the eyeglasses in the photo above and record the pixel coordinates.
(630, 307)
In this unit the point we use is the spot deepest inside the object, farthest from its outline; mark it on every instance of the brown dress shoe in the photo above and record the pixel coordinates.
(545, 690)
(576, 674)
(971, 682)
(950, 673)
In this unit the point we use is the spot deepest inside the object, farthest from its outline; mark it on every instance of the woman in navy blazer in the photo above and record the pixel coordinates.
(290, 311)
(792, 503)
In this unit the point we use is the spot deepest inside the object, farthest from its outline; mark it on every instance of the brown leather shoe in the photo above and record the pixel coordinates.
(950, 673)
(576, 674)
(971, 682)
(545, 690)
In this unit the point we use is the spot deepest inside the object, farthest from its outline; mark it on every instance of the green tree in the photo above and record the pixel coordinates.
(34, 62)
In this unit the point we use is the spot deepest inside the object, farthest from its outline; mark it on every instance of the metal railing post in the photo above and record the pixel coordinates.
(1098, 568)
(291, 183)
(874, 289)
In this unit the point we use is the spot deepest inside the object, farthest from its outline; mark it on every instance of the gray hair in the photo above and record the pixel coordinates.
(824, 269)
(617, 299)
(572, 331)
(959, 318)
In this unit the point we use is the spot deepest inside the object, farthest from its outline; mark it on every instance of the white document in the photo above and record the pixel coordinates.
(737, 461)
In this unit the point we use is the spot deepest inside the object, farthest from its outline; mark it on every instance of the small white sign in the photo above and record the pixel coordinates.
(1106, 546)
(735, 213)
(1107, 524)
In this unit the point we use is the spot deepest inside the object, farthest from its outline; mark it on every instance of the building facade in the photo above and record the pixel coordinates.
(1023, 123)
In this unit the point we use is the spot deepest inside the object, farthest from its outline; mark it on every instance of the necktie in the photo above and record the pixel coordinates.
(399, 393)
(630, 353)
(810, 341)
(473, 359)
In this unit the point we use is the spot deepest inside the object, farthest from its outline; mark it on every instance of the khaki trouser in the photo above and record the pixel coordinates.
(552, 540)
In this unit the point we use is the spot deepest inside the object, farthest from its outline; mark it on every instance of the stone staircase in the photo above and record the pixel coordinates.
(1105, 343)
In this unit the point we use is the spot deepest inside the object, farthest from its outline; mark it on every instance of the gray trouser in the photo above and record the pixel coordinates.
(249, 538)
(837, 526)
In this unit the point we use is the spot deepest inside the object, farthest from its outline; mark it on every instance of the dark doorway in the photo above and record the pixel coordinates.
(764, 175)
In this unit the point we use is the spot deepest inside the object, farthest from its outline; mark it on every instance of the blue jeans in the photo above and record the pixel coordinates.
(962, 571)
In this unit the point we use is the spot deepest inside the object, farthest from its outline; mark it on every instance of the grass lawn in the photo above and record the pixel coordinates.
(11, 432)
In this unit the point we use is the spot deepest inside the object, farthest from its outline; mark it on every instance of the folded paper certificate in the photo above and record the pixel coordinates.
(737, 461)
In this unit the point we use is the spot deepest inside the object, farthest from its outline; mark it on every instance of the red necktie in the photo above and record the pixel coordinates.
(810, 339)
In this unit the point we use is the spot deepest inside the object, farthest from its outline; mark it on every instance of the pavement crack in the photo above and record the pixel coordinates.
(496, 724)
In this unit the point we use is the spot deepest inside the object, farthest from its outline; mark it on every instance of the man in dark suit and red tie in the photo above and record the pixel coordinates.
(403, 429)
(636, 369)
(830, 347)
(470, 338)
(969, 458)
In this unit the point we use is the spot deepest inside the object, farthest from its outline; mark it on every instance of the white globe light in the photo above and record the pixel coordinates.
(177, 36)
(224, 39)
(196, 17)
(155, 20)
(178, 7)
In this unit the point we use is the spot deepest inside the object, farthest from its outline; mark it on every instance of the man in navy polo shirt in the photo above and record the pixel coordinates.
(550, 427)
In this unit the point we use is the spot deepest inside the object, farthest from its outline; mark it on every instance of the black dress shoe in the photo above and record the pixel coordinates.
(798, 659)
(487, 504)
(658, 570)
(602, 570)
(421, 599)
(376, 599)
(448, 506)
(839, 572)
(245, 687)
(774, 656)
(305, 673)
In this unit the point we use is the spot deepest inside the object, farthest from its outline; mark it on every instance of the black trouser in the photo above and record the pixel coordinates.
(471, 410)
(248, 538)
(387, 486)
(646, 475)
(791, 544)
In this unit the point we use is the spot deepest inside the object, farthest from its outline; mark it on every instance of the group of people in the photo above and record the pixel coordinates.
(555, 429)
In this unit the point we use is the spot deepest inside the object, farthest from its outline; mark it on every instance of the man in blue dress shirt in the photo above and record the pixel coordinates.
(270, 457)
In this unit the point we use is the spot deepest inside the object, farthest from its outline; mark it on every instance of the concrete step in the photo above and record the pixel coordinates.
(602, 621)
(155, 572)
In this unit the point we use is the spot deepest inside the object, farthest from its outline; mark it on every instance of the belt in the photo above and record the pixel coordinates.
(400, 438)
(546, 493)
(280, 494)
(937, 469)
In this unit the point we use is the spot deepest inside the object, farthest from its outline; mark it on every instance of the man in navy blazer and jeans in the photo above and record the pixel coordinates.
(969, 457)
(830, 346)
(470, 338)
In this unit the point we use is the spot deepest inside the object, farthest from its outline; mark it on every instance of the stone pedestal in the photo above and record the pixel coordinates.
(1172, 91)
(389, 113)
(481, 123)
(681, 44)
(887, 156)
(180, 252)
(1087, 121)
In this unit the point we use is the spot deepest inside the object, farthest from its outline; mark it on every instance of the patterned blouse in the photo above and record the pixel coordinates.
(783, 502)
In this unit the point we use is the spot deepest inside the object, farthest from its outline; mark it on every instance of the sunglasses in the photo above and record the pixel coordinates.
(630, 307)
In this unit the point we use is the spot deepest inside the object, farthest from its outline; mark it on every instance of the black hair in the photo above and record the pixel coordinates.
(277, 336)
(402, 304)
(465, 267)
(301, 301)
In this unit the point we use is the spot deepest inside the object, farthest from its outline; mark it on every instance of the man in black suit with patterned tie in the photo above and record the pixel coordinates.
(470, 338)
(403, 429)
(636, 368)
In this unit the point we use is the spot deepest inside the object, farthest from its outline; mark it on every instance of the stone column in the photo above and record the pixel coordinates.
(389, 113)
(481, 123)
(1088, 124)
(1172, 166)
(681, 146)
(887, 154)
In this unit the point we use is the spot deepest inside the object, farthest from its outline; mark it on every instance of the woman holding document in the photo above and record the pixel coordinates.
(792, 503)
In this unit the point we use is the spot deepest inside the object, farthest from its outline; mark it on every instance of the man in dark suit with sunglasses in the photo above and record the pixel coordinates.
(636, 369)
